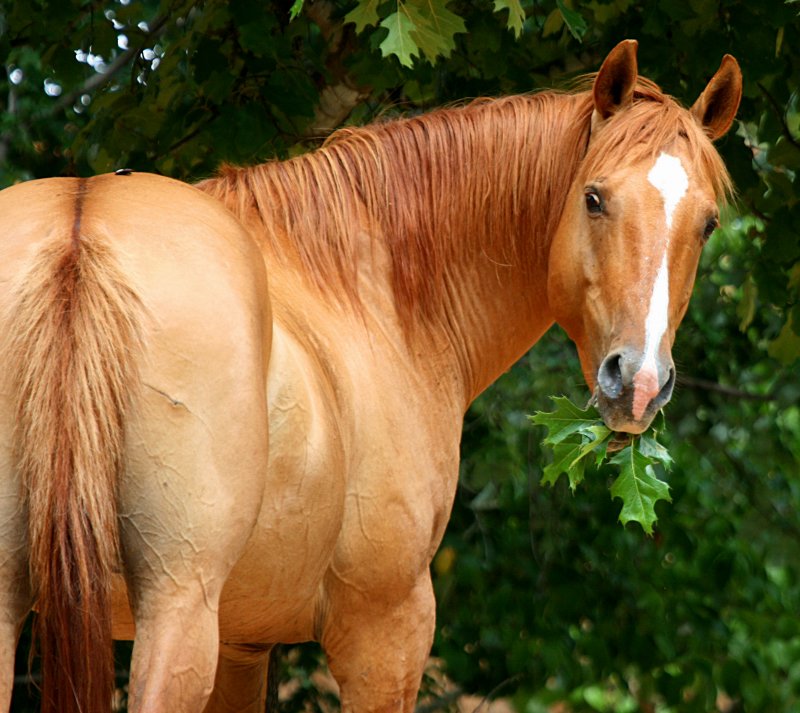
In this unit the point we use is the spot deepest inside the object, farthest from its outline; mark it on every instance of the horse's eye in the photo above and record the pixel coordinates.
(711, 225)
(594, 203)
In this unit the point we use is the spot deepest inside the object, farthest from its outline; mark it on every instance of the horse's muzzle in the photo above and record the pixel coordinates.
(631, 389)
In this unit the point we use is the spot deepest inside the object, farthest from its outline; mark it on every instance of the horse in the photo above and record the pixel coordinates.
(230, 413)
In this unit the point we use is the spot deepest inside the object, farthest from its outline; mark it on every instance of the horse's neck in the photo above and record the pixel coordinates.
(458, 206)
(491, 304)
(496, 313)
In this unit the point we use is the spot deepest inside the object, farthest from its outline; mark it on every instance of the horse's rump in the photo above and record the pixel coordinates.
(105, 310)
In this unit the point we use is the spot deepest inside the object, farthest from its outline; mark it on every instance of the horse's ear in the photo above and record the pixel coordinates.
(716, 107)
(616, 80)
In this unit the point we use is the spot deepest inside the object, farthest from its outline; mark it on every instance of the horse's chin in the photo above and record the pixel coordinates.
(633, 428)
(618, 415)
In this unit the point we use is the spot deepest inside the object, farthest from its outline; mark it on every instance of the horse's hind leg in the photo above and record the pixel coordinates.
(175, 652)
(14, 604)
(7, 646)
(15, 597)
(189, 500)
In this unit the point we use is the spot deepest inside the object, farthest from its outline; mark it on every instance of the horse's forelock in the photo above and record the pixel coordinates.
(652, 123)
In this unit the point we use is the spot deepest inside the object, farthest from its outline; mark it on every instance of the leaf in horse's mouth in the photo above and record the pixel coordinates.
(578, 436)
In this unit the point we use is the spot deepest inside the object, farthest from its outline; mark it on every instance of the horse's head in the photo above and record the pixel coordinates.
(644, 201)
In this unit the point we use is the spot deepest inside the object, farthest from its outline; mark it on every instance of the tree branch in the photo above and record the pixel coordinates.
(715, 387)
(97, 80)
(491, 695)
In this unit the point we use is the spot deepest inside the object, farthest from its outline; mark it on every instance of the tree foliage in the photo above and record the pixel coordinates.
(538, 587)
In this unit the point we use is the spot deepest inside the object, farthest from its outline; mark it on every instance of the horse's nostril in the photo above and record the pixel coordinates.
(666, 391)
(609, 377)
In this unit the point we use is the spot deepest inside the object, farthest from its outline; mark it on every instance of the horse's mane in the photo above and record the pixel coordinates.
(489, 178)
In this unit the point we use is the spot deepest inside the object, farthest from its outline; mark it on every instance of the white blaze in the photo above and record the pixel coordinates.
(672, 182)
(658, 315)
(669, 177)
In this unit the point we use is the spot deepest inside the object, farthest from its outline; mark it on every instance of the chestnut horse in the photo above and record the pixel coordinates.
(209, 464)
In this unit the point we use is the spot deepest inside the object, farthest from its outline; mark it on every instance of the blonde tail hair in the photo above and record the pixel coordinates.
(75, 339)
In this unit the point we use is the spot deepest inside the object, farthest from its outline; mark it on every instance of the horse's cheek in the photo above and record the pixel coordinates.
(564, 287)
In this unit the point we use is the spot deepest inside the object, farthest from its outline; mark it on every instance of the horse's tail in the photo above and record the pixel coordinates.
(74, 340)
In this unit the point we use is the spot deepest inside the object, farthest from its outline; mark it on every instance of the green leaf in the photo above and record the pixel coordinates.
(574, 433)
(794, 273)
(652, 449)
(746, 309)
(784, 153)
(599, 444)
(570, 456)
(294, 11)
(364, 14)
(638, 487)
(786, 346)
(553, 23)
(399, 41)
(516, 15)
(566, 420)
(435, 27)
(566, 459)
(575, 22)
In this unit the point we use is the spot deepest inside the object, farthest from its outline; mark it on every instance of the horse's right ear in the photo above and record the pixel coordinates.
(615, 82)
(716, 107)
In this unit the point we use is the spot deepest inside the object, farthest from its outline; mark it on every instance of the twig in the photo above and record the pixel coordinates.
(213, 114)
(98, 79)
(756, 212)
(705, 385)
(489, 696)
(443, 700)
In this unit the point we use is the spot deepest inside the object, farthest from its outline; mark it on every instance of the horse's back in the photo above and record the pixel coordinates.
(195, 427)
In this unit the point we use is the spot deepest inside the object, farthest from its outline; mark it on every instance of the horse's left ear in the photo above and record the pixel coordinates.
(716, 107)
(615, 82)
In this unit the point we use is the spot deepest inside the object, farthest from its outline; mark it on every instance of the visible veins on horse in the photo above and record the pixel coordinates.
(169, 398)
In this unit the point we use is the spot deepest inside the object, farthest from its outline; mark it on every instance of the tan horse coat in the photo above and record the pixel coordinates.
(283, 460)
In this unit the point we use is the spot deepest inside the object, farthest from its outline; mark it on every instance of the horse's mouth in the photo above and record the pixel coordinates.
(617, 414)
